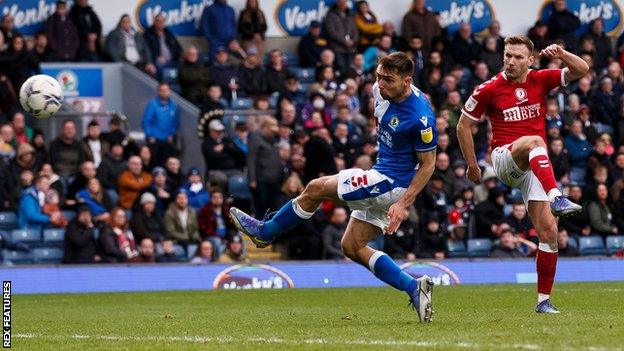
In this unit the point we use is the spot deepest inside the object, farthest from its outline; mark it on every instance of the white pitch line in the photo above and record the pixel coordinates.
(275, 340)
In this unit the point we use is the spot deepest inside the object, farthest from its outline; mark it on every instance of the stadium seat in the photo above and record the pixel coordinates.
(17, 257)
(238, 187)
(6, 236)
(69, 215)
(47, 255)
(479, 247)
(592, 245)
(180, 253)
(614, 243)
(572, 242)
(53, 236)
(8, 221)
(191, 251)
(26, 236)
(170, 75)
(456, 248)
(305, 75)
(224, 102)
(242, 103)
(291, 59)
(204, 57)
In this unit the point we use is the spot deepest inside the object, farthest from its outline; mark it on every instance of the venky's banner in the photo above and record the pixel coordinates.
(293, 17)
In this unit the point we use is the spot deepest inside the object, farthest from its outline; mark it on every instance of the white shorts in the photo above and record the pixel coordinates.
(507, 171)
(369, 194)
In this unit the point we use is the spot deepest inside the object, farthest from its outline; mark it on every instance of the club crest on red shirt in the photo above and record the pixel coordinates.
(521, 94)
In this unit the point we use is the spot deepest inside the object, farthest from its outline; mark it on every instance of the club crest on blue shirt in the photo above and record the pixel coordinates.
(426, 135)
(394, 122)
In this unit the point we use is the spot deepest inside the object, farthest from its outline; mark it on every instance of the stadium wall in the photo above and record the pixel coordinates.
(136, 278)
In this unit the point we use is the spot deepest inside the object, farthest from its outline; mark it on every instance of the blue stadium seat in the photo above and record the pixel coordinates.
(53, 236)
(592, 245)
(69, 215)
(273, 100)
(456, 248)
(479, 247)
(242, 103)
(191, 251)
(8, 221)
(224, 102)
(17, 257)
(26, 236)
(47, 255)
(170, 75)
(204, 57)
(305, 75)
(229, 121)
(238, 187)
(572, 242)
(614, 243)
(180, 253)
(291, 58)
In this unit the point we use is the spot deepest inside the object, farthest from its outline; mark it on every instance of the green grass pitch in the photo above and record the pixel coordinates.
(492, 317)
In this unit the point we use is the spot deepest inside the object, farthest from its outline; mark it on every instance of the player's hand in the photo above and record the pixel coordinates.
(474, 174)
(397, 214)
(552, 51)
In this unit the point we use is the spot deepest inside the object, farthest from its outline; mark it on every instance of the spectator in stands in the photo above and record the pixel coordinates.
(562, 24)
(213, 221)
(87, 172)
(146, 251)
(491, 55)
(161, 120)
(252, 26)
(52, 208)
(218, 25)
(489, 214)
(30, 213)
(563, 242)
(520, 222)
(223, 73)
(193, 75)
(601, 216)
(560, 159)
(508, 247)
(311, 45)
(539, 35)
(204, 253)
(579, 149)
(116, 135)
(161, 191)
(7, 143)
(23, 133)
(113, 164)
(332, 234)
(264, 166)
(180, 221)
(253, 80)
(145, 153)
(116, 240)
(217, 151)
(8, 30)
(66, 154)
(96, 199)
(86, 21)
(605, 107)
(18, 62)
(276, 72)
(41, 49)
(434, 199)
(55, 180)
(421, 22)
(198, 195)
(367, 24)
(374, 53)
(165, 49)
(168, 254)
(464, 47)
(398, 42)
(234, 251)
(92, 51)
(342, 34)
(577, 224)
(602, 44)
(124, 44)
(131, 182)
(175, 178)
(93, 144)
(24, 161)
(62, 34)
(212, 106)
(79, 244)
(431, 241)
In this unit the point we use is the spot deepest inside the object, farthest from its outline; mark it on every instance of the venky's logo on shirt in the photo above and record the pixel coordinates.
(394, 122)
(426, 135)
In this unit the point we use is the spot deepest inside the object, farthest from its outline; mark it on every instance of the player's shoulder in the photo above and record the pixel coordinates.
(489, 85)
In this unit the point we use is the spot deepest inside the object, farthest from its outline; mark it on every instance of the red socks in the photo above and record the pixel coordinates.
(542, 168)
(546, 268)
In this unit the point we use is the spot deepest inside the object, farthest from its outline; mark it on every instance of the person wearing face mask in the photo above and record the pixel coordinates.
(316, 104)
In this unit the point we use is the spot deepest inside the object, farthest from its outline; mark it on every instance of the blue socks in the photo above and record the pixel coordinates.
(384, 268)
(288, 217)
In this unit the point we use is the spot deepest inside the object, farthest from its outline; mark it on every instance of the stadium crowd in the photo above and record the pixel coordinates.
(132, 202)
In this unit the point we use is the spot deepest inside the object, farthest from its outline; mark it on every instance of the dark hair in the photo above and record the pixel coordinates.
(398, 62)
(520, 40)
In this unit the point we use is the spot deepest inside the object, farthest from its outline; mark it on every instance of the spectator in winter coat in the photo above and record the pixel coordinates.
(342, 34)
(86, 21)
(193, 75)
(198, 195)
(562, 24)
(18, 63)
(311, 45)
(165, 49)
(161, 120)
(579, 150)
(489, 214)
(366, 22)
(421, 22)
(224, 73)
(180, 221)
(30, 213)
(251, 75)
(66, 154)
(251, 26)
(218, 25)
(508, 247)
(116, 240)
(93, 144)
(213, 221)
(431, 243)
(113, 164)
(80, 245)
(96, 199)
(62, 34)
(145, 223)
(124, 44)
(332, 234)
(131, 182)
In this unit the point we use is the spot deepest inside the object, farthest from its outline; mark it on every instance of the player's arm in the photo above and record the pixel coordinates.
(466, 143)
(398, 211)
(576, 66)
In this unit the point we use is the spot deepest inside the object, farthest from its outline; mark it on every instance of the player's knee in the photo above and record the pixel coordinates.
(348, 247)
(534, 141)
(314, 188)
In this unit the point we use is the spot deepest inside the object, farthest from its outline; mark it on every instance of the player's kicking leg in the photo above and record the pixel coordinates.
(293, 213)
(354, 245)
(546, 261)
(529, 152)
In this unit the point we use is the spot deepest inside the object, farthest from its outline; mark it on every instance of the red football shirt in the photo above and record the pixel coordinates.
(514, 109)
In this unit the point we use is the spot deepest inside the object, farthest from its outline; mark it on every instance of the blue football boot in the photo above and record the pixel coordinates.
(421, 300)
(563, 207)
(249, 226)
(546, 307)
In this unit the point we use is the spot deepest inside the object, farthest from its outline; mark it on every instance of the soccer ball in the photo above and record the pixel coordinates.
(41, 96)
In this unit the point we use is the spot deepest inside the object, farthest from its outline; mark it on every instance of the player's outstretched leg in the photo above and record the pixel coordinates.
(546, 257)
(293, 213)
(533, 149)
(354, 245)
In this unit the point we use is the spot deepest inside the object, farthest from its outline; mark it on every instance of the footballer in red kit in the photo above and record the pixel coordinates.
(514, 101)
